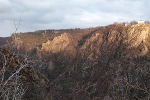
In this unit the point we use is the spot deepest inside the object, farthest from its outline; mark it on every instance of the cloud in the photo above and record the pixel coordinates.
(57, 14)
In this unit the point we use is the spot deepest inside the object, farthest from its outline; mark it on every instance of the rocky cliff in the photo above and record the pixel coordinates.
(101, 63)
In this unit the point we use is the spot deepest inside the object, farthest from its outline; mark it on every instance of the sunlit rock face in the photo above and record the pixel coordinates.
(137, 37)
(63, 43)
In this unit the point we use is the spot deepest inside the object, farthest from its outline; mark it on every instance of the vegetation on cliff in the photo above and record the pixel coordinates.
(101, 63)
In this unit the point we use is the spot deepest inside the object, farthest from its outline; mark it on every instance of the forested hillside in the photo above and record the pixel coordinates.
(100, 63)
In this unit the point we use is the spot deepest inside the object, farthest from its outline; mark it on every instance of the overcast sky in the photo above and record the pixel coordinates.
(64, 14)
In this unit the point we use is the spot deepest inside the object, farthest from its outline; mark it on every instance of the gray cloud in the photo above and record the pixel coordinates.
(56, 14)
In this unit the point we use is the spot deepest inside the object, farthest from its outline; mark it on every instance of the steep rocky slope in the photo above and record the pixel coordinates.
(29, 41)
(64, 43)
(102, 63)
(111, 63)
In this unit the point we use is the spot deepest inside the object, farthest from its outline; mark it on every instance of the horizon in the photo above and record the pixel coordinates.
(69, 28)
(68, 14)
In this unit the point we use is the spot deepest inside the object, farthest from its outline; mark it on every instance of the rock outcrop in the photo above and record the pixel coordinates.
(63, 43)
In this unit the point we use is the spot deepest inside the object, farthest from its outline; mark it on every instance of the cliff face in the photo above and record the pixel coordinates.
(29, 41)
(101, 63)
(134, 38)
(74, 40)
(63, 43)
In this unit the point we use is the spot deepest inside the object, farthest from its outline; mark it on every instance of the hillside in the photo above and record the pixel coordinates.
(102, 63)
(3, 40)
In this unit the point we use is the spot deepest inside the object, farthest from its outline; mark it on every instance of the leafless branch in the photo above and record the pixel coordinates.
(17, 27)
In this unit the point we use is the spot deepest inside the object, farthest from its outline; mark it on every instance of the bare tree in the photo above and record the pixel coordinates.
(11, 86)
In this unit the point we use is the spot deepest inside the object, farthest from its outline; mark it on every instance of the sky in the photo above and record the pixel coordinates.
(32, 15)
